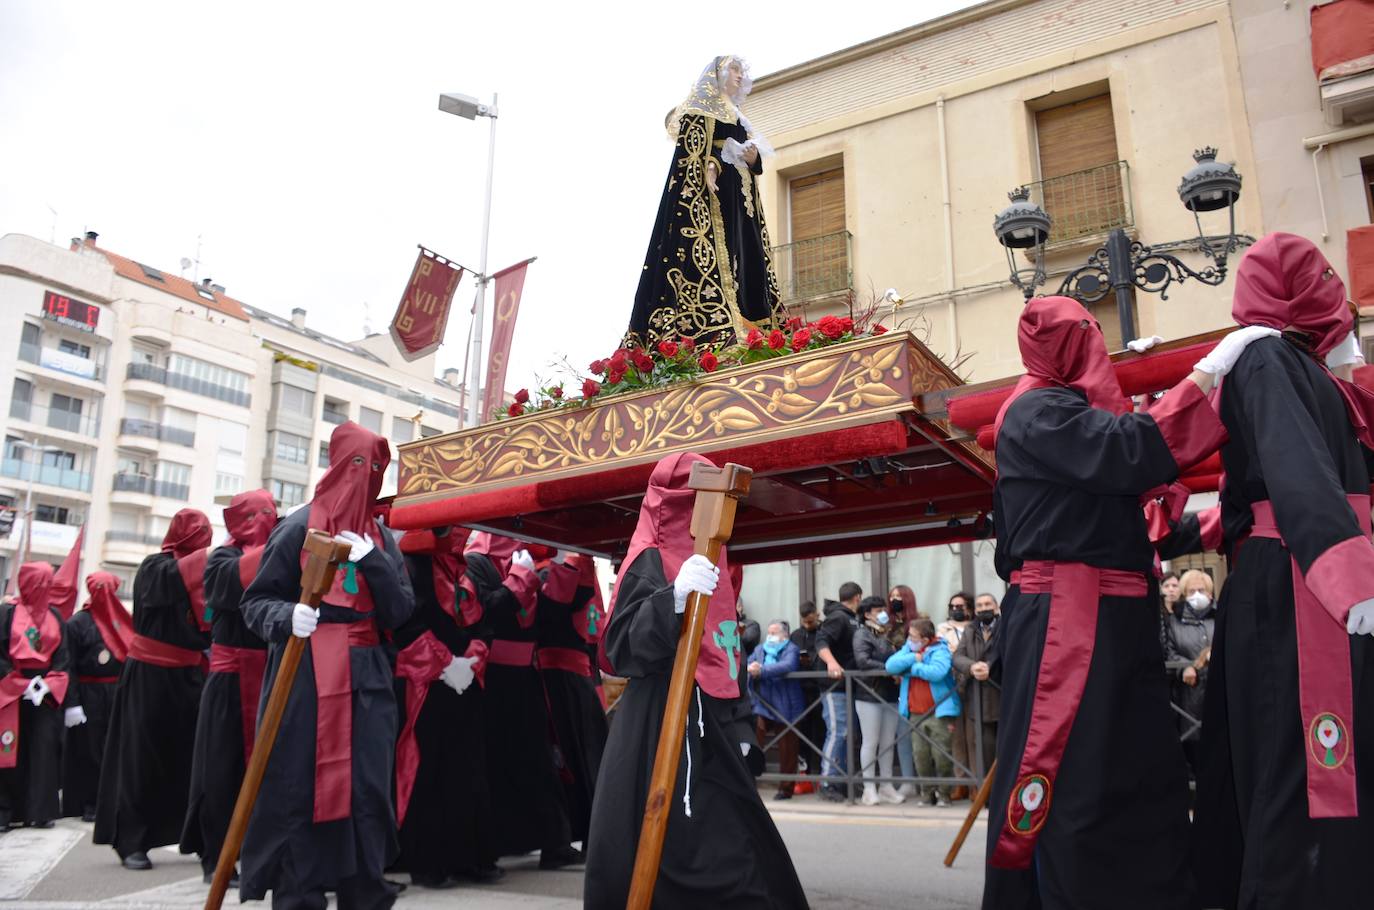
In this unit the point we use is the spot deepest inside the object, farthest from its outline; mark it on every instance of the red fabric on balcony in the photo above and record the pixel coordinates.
(1342, 38)
(1359, 260)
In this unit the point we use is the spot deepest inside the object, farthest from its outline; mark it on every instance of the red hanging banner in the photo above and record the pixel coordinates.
(510, 282)
(64, 581)
(419, 324)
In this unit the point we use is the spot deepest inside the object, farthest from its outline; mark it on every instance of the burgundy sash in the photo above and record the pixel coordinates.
(506, 653)
(1075, 590)
(329, 651)
(97, 680)
(1324, 685)
(569, 659)
(250, 664)
(160, 654)
(12, 687)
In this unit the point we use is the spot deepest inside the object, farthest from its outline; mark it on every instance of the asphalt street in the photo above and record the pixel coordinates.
(848, 857)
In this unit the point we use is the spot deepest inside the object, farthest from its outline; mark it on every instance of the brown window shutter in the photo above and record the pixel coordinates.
(816, 261)
(1082, 188)
(817, 205)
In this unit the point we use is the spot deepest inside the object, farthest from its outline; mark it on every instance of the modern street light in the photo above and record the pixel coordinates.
(1123, 264)
(470, 108)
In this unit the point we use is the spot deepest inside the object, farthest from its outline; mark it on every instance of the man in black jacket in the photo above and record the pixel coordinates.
(835, 648)
(972, 661)
(812, 725)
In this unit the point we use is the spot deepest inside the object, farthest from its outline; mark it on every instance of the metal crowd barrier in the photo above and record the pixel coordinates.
(852, 780)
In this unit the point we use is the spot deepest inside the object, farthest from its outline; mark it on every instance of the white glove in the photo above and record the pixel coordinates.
(1141, 345)
(1347, 352)
(1361, 618)
(361, 545)
(1221, 358)
(74, 717)
(696, 574)
(561, 556)
(458, 674)
(523, 559)
(304, 619)
(38, 688)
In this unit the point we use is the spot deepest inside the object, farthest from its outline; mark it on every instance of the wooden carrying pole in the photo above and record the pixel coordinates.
(979, 801)
(323, 555)
(713, 518)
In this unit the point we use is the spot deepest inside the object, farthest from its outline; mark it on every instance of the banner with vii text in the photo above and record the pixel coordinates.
(509, 283)
(419, 324)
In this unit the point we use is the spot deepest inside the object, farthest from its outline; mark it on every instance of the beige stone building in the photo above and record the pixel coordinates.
(894, 155)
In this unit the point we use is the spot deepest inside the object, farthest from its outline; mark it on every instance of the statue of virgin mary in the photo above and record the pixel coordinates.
(708, 274)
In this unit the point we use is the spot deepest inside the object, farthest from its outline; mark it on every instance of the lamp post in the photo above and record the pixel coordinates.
(470, 108)
(1123, 265)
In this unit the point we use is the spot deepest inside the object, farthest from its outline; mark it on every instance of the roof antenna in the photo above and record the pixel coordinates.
(367, 319)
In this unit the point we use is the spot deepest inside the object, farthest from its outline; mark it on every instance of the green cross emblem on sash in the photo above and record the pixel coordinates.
(592, 617)
(727, 639)
(34, 637)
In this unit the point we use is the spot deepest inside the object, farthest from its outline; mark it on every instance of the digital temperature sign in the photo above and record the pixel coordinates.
(67, 311)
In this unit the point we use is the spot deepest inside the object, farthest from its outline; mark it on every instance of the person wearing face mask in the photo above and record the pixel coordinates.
(777, 700)
(812, 725)
(875, 700)
(1191, 627)
(973, 669)
(1168, 600)
(324, 819)
(928, 692)
(959, 616)
(902, 603)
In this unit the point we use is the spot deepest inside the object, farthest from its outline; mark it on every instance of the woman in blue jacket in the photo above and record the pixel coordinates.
(928, 691)
(777, 699)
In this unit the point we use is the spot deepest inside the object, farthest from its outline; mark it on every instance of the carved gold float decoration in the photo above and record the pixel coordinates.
(845, 385)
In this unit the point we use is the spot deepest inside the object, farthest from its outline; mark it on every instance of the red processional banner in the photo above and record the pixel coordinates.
(419, 324)
(64, 581)
(509, 282)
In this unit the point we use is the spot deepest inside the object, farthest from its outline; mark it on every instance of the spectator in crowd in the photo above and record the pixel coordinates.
(749, 632)
(926, 669)
(835, 648)
(1190, 631)
(971, 662)
(910, 609)
(812, 725)
(875, 700)
(952, 631)
(904, 609)
(778, 701)
(1168, 600)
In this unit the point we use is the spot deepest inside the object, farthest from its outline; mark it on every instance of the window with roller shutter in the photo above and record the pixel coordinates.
(816, 262)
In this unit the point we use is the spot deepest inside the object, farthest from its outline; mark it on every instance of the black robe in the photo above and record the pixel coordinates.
(579, 720)
(85, 743)
(29, 790)
(218, 764)
(709, 264)
(1290, 443)
(528, 803)
(1068, 488)
(728, 853)
(448, 825)
(146, 771)
(283, 844)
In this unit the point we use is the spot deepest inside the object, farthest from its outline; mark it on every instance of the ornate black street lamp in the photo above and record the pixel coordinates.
(1122, 263)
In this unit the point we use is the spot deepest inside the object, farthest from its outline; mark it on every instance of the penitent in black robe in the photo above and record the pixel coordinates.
(727, 853)
(448, 825)
(96, 674)
(218, 764)
(528, 803)
(1290, 443)
(709, 266)
(1069, 482)
(284, 848)
(29, 790)
(146, 771)
(579, 720)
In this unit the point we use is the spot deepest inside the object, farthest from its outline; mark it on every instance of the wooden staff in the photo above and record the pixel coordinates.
(713, 518)
(323, 555)
(979, 801)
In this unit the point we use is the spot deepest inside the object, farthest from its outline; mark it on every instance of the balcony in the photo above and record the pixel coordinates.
(55, 418)
(816, 267)
(334, 417)
(61, 361)
(150, 430)
(138, 537)
(1086, 203)
(51, 475)
(142, 483)
(161, 375)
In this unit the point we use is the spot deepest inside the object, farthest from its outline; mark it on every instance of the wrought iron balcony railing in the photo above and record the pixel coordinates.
(814, 267)
(1086, 203)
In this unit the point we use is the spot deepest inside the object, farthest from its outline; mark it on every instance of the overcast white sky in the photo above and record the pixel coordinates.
(302, 141)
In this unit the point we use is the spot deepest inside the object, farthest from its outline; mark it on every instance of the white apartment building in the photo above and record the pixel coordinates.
(134, 393)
